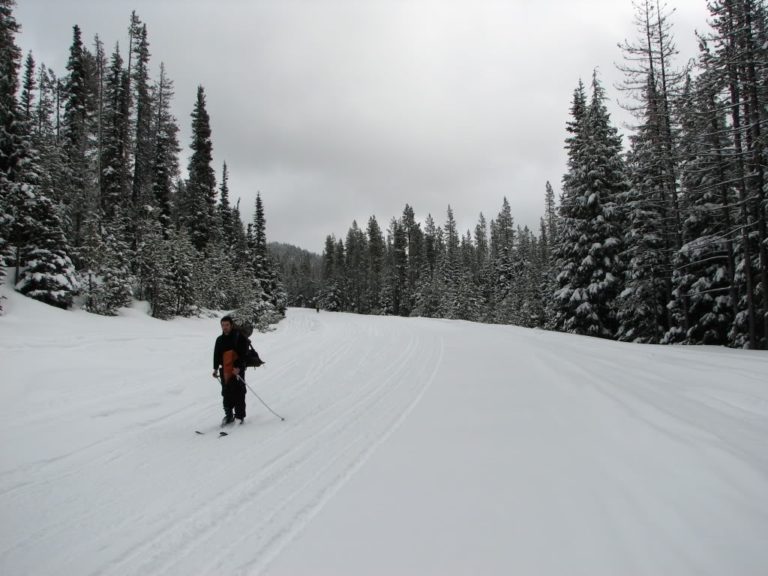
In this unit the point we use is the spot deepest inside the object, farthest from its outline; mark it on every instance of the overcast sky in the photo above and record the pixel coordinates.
(339, 110)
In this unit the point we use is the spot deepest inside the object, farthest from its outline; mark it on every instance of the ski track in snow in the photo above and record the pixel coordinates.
(146, 495)
(101, 471)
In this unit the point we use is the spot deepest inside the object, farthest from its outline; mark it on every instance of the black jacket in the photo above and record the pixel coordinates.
(233, 341)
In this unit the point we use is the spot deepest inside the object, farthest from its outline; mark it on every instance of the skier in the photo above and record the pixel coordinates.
(229, 365)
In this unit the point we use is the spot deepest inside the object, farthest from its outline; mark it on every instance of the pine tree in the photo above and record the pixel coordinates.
(483, 270)
(357, 249)
(201, 186)
(330, 297)
(704, 297)
(46, 138)
(225, 210)
(10, 57)
(144, 151)
(397, 258)
(90, 257)
(240, 247)
(642, 311)
(26, 103)
(264, 269)
(30, 223)
(375, 263)
(49, 275)
(115, 130)
(655, 225)
(165, 163)
(502, 250)
(550, 216)
(737, 59)
(10, 60)
(414, 238)
(115, 275)
(78, 186)
(589, 240)
(259, 248)
(451, 270)
(179, 275)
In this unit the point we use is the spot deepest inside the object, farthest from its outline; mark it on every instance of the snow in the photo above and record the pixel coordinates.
(410, 446)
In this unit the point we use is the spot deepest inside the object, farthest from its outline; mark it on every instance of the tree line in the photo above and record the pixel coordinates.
(664, 242)
(94, 203)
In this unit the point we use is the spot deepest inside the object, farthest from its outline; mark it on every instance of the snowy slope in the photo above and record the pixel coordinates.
(410, 446)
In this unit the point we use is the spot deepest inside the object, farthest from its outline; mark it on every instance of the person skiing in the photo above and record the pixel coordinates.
(229, 355)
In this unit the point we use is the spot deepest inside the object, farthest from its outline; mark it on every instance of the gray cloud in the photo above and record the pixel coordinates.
(337, 110)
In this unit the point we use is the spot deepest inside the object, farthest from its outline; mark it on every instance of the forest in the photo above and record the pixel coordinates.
(661, 241)
(661, 238)
(94, 204)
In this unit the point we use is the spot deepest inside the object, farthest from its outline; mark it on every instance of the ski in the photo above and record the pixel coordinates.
(221, 432)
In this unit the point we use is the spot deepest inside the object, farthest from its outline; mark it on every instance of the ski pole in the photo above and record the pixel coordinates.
(259, 397)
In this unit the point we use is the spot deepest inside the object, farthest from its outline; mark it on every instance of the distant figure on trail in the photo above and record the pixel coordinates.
(229, 356)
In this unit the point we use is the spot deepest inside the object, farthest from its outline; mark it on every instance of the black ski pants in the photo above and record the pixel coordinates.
(233, 393)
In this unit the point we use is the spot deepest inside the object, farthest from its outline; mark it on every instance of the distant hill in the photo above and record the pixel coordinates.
(300, 271)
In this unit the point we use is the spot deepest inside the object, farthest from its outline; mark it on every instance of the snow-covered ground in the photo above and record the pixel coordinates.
(410, 447)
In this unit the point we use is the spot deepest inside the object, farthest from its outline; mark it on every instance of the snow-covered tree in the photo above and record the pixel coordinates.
(703, 304)
(642, 306)
(144, 150)
(165, 160)
(589, 241)
(48, 275)
(201, 185)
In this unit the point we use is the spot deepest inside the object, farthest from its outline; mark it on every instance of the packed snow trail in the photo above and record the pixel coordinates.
(101, 471)
(550, 454)
(410, 446)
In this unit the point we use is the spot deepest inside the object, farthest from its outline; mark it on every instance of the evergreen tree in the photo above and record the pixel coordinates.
(502, 250)
(105, 277)
(589, 241)
(259, 248)
(115, 139)
(357, 249)
(49, 275)
(165, 163)
(483, 270)
(642, 308)
(46, 137)
(78, 186)
(179, 275)
(330, 298)
(376, 258)
(550, 217)
(115, 275)
(201, 186)
(10, 58)
(451, 270)
(735, 55)
(704, 299)
(225, 210)
(30, 223)
(264, 269)
(414, 238)
(144, 151)
(29, 84)
(397, 277)
(240, 245)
